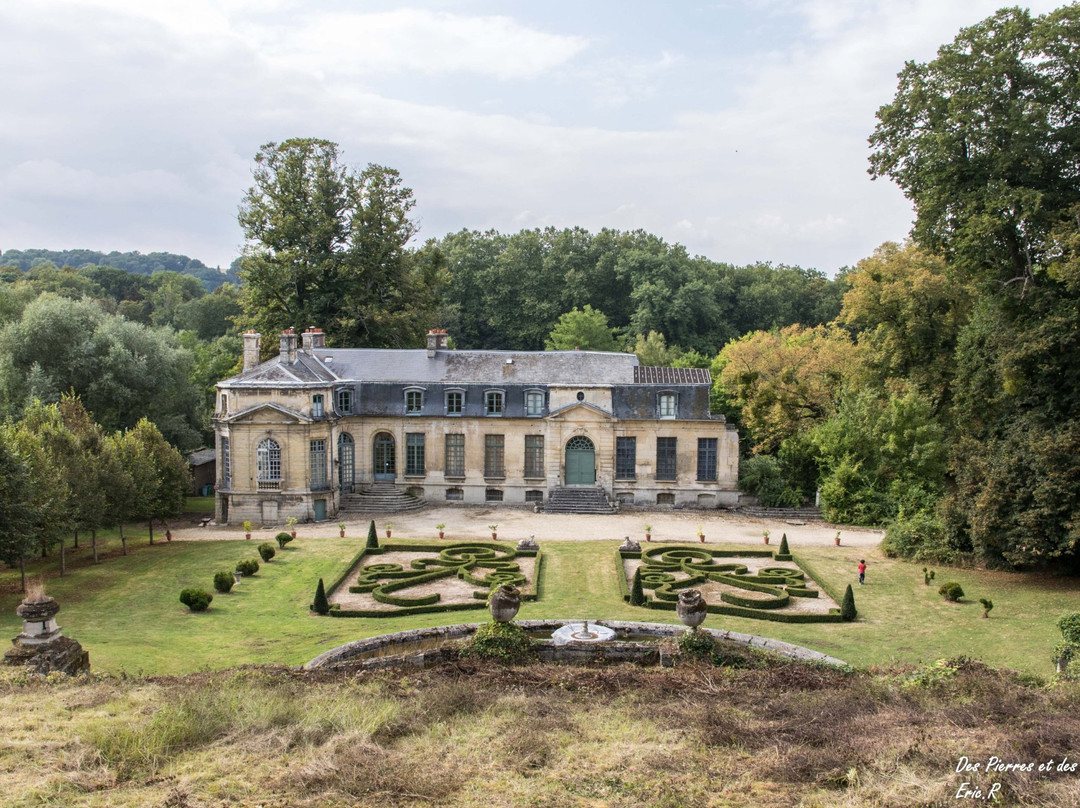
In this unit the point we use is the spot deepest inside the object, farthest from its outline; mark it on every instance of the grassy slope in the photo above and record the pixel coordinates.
(126, 611)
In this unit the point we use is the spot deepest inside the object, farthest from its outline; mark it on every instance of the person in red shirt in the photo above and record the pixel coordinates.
(862, 571)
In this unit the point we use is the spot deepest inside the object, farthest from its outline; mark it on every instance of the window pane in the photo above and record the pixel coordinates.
(493, 402)
(455, 456)
(318, 463)
(667, 405)
(316, 406)
(344, 401)
(414, 454)
(493, 456)
(665, 458)
(226, 463)
(625, 458)
(455, 401)
(534, 455)
(534, 403)
(706, 459)
(268, 461)
(414, 401)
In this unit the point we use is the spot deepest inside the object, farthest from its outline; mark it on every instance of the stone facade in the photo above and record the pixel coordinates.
(300, 431)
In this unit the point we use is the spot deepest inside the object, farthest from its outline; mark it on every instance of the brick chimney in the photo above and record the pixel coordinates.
(251, 349)
(313, 338)
(288, 346)
(436, 341)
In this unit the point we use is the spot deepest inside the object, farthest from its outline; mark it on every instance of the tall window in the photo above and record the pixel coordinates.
(534, 403)
(625, 458)
(224, 403)
(346, 452)
(455, 455)
(706, 459)
(534, 455)
(455, 402)
(414, 454)
(665, 458)
(493, 402)
(344, 401)
(494, 456)
(414, 402)
(268, 464)
(226, 464)
(667, 405)
(317, 406)
(317, 452)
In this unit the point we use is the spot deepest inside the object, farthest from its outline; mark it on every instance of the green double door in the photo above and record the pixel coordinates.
(580, 462)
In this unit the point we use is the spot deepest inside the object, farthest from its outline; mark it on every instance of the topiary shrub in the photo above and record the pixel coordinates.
(784, 546)
(847, 607)
(321, 604)
(637, 592)
(223, 581)
(1070, 627)
(267, 551)
(695, 644)
(951, 591)
(987, 606)
(198, 600)
(927, 575)
(282, 539)
(247, 566)
(1067, 653)
(372, 537)
(500, 642)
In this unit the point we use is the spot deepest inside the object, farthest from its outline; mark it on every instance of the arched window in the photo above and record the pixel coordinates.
(268, 462)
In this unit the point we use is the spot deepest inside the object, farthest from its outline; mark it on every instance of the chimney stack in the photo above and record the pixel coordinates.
(251, 349)
(313, 339)
(436, 341)
(288, 346)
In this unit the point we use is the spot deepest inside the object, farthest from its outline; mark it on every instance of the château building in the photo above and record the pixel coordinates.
(299, 433)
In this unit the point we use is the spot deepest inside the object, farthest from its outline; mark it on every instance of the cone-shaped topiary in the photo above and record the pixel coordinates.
(783, 545)
(637, 592)
(372, 536)
(847, 608)
(321, 604)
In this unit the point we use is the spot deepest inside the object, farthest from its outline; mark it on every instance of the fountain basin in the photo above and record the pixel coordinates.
(585, 632)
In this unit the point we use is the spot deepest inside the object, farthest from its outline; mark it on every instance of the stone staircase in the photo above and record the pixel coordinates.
(578, 500)
(379, 498)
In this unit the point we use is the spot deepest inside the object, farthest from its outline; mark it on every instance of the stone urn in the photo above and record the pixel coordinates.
(39, 622)
(691, 608)
(504, 603)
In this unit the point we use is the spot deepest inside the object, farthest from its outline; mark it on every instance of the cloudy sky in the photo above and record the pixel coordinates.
(737, 127)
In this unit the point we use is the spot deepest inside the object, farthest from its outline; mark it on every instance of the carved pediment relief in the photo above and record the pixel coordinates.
(581, 411)
(268, 414)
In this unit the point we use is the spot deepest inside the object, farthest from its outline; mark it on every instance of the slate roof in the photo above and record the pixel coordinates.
(659, 375)
(329, 365)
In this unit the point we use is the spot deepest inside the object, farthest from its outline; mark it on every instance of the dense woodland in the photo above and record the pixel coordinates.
(933, 388)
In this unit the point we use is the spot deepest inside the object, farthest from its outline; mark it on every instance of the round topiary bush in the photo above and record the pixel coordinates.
(247, 566)
(198, 600)
(951, 591)
(267, 551)
(223, 581)
(282, 539)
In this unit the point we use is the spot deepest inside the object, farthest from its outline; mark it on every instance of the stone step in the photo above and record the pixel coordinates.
(379, 498)
(578, 500)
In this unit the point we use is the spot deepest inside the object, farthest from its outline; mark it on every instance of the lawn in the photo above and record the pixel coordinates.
(126, 611)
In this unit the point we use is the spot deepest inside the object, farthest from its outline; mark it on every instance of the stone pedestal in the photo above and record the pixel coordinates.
(41, 645)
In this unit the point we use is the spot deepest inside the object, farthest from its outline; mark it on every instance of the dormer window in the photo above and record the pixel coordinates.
(455, 402)
(414, 402)
(493, 403)
(345, 402)
(534, 403)
(667, 405)
(317, 406)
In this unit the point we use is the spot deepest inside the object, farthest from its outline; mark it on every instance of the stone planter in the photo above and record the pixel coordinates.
(504, 603)
(691, 608)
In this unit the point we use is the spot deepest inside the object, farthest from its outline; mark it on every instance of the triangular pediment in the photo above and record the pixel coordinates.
(581, 411)
(268, 413)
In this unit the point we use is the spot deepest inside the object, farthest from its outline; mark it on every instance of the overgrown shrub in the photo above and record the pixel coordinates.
(920, 536)
(223, 581)
(198, 600)
(321, 604)
(267, 551)
(847, 607)
(500, 642)
(1067, 653)
(1070, 627)
(282, 539)
(696, 644)
(762, 476)
(247, 566)
(951, 591)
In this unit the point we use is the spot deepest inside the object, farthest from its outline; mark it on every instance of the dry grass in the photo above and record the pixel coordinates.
(763, 733)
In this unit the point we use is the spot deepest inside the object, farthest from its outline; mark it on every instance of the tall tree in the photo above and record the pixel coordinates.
(584, 329)
(326, 246)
